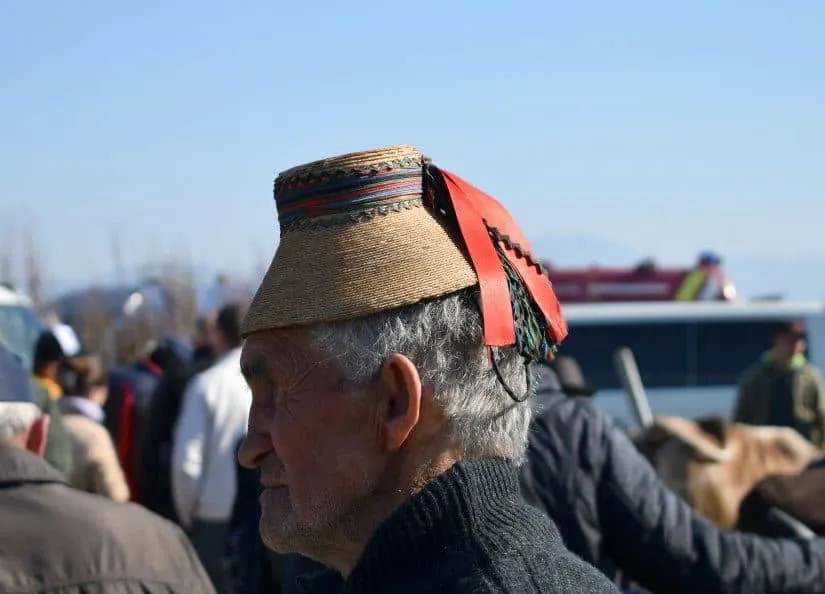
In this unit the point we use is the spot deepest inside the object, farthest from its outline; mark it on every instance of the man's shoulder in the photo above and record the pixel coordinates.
(81, 428)
(569, 419)
(530, 556)
(753, 371)
(104, 524)
(115, 520)
(812, 371)
(548, 566)
(77, 420)
(90, 536)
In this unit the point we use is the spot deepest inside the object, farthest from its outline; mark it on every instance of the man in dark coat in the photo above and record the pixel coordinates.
(54, 538)
(614, 512)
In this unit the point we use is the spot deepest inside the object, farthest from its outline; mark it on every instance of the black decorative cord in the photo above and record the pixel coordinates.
(506, 386)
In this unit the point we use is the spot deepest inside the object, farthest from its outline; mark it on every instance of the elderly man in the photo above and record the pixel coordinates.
(389, 352)
(54, 538)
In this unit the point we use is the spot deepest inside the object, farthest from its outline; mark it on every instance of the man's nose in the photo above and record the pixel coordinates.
(254, 447)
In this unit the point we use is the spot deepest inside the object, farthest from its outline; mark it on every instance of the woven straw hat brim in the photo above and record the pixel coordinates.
(325, 274)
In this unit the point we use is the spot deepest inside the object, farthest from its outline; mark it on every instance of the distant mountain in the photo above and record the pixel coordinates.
(582, 250)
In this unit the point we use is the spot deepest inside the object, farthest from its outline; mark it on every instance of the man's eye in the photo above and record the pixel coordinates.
(265, 393)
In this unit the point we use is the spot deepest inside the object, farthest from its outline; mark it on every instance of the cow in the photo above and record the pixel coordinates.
(713, 463)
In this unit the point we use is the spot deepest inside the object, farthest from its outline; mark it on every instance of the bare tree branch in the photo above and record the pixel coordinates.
(115, 248)
(7, 263)
(33, 271)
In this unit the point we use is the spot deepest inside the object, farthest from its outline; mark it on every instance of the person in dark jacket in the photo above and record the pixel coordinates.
(783, 389)
(130, 393)
(388, 415)
(54, 538)
(127, 409)
(614, 512)
(155, 448)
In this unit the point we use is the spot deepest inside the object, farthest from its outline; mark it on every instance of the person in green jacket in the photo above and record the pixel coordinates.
(783, 388)
(58, 442)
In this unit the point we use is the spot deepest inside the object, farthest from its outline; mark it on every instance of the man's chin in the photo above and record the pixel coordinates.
(285, 540)
(278, 527)
(279, 543)
(285, 536)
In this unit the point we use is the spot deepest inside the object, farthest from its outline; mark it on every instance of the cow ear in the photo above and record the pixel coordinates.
(716, 428)
(704, 446)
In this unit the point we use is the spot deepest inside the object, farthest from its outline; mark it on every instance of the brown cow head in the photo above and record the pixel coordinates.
(713, 463)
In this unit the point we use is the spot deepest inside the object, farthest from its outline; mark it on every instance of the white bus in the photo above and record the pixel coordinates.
(690, 354)
(19, 325)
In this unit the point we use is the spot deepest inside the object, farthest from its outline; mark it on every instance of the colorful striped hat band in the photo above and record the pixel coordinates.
(378, 230)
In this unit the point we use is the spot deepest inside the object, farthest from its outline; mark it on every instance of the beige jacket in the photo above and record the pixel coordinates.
(96, 466)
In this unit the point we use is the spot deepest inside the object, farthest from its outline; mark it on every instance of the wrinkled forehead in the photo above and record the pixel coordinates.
(279, 351)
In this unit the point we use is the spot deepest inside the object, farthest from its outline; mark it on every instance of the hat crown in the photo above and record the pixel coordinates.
(349, 187)
(376, 230)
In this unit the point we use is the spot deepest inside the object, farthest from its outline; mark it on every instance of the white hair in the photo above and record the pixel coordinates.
(16, 418)
(443, 338)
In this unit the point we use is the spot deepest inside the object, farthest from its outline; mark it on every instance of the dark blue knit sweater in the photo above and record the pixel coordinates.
(469, 530)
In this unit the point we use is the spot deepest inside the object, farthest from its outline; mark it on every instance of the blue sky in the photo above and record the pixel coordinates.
(661, 127)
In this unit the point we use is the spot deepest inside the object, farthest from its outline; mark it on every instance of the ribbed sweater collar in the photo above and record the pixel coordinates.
(471, 504)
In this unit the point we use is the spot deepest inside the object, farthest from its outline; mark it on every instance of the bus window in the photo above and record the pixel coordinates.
(660, 349)
(725, 348)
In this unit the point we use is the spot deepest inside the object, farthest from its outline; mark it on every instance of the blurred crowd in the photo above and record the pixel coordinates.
(160, 430)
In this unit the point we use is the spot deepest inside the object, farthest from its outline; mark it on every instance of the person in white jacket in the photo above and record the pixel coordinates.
(212, 421)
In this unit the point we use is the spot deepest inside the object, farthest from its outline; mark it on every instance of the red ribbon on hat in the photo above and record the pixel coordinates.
(477, 213)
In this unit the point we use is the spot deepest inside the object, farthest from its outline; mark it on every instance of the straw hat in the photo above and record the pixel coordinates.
(377, 230)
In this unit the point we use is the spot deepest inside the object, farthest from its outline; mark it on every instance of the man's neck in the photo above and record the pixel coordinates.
(782, 363)
(793, 362)
(397, 486)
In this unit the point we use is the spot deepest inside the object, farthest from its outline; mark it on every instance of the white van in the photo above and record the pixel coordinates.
(690, 354)
(19, 325)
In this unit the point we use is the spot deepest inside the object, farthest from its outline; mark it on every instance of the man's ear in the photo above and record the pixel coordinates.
(36, 440)
(400, 404)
